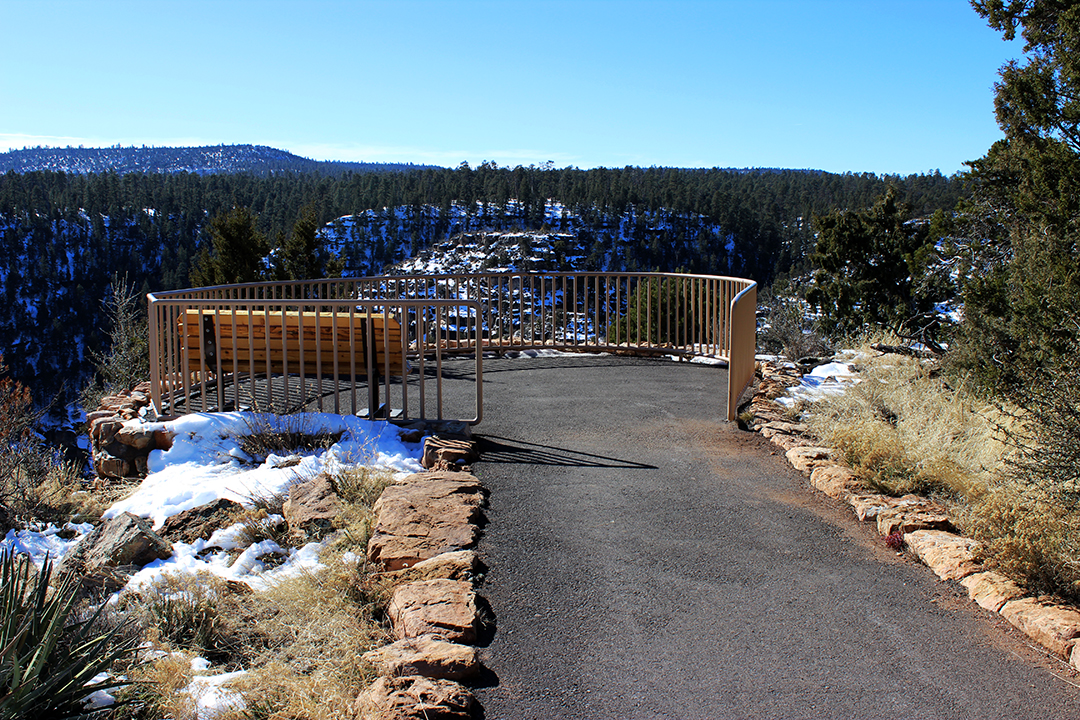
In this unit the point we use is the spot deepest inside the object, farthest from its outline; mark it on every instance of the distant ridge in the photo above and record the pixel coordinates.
(216, 159)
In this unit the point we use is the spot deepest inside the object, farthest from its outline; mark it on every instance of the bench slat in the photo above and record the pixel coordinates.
(246, 339)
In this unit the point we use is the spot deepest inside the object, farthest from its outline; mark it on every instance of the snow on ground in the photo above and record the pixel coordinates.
(830, 379)
(49, 542)
(206, 462)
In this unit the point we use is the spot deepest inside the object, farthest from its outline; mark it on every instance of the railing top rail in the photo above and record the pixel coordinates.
(343, 302)
(170, 294)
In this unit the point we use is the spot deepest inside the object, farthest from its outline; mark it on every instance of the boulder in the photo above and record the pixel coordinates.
(416, 698)
(92, 417)
(463, 565)
(426, 656)
(950, 556)
(789, 442)
(448, 452)
(806, 459)
(869, 505)
(1051, 624)
(117, 403)
(312, 507)
(836, 481)
(106, 465)
(904, 519)
(103, 429)
(448, 609)
(425, 515)
(773, 427)
(991, 590)
(104, 557)
(140, 437)
(200, 522)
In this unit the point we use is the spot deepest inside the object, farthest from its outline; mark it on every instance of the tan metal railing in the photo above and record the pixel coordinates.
(641, 313)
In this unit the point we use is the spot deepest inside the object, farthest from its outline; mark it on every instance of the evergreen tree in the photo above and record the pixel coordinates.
(1023, 226)
(237, 253)
(303, 255)
(870, 267)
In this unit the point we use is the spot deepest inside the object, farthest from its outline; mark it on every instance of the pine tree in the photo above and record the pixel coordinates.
(237, 251)
(303, 255)
(1023, 226)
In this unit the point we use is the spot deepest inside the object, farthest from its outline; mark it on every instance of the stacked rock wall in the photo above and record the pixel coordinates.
(119, 444)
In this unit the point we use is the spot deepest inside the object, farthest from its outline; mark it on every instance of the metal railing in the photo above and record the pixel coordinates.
(635, 313)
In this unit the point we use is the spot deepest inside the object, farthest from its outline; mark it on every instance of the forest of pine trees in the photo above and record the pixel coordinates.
(65, 235)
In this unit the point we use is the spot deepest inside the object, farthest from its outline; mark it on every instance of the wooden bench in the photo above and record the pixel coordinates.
(328, 345)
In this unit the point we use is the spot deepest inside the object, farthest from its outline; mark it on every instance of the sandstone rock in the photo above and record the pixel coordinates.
(200, 522)
(904, 519)
(117, 403)
(163, 439)
(463, 565)
(1054, 626)
(450, 452)
(144, 387)
(836, 481)
(425, 515)
(807, 459)
(426, 656)
(788, 442)
(869, 505)
(140, 437)
(312, 507)
(949, 556)
(105, 428)
(119, 544)
(416, 698)
(92, 417)
(449, 609)
(772, 427)
(991, 590)
(110, 466)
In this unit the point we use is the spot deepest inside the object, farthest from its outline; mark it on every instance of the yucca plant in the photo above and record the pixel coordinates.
(47, 660)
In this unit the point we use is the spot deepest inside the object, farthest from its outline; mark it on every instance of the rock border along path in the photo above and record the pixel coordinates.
(919, 524)
(425, 529)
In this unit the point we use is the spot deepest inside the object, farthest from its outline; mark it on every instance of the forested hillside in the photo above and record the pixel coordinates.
(255, 159)
(65, 235)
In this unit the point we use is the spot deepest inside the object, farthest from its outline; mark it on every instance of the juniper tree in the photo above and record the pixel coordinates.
(1024, 224)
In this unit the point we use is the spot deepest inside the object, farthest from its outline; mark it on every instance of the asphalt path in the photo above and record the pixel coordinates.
(648, 560)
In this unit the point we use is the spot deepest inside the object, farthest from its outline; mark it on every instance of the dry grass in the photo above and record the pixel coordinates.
(155, 692)
(301, 640)
(904, 430)
(35, 488)
(278, 434)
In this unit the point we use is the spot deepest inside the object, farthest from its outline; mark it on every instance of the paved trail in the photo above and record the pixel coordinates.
(648, 561)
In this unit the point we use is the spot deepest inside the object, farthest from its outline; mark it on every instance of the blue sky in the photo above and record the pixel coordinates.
(882, 86)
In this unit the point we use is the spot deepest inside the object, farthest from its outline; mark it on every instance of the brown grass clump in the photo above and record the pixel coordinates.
(155, 690)
(37, 488)
(359, 487)
(278, 434)
(1010, 473)
(906, 431)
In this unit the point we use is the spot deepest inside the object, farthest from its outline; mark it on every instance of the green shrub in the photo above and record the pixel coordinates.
(48, 661)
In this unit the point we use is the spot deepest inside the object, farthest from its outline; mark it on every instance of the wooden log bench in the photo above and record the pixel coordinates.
(312, 344)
